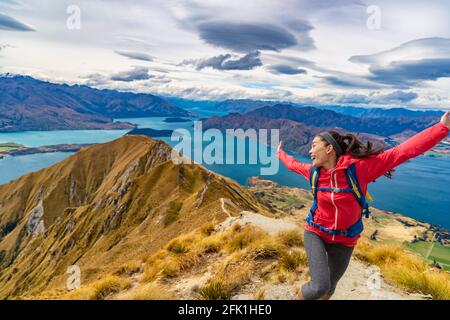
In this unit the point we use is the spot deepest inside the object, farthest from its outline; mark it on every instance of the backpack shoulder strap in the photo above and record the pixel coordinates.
(313, 179)
(356, 188)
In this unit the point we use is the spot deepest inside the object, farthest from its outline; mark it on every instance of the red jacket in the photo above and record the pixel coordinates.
(341, 210)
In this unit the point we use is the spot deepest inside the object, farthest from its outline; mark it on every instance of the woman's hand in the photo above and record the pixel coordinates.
(279, 146)
(445, 120)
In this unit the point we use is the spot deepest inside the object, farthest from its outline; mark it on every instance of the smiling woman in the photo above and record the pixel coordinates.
(334, 222)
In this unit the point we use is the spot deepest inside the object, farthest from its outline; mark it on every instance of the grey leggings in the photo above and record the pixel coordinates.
(327, 263)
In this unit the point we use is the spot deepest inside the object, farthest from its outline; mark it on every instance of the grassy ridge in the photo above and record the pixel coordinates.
(439, 252)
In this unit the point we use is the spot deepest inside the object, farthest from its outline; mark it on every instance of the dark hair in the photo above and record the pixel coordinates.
(355, 147)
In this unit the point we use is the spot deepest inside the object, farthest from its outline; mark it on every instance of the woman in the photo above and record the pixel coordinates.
(329, 253)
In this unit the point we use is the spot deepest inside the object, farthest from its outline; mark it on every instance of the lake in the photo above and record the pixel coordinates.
(419, 188)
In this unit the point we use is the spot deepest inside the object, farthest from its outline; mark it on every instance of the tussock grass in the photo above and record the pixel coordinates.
(379, 255)
(293, 259)
(242, 237)
(180, 254)
(129, 269)
(215, 290)
(177, 247)
(291, 238)
(260, 294)
(266, 248)
(209, 228)
(232, 275)
(100, 289)
(406, 270)
(163, 265)
(211, 244)
(150, 291)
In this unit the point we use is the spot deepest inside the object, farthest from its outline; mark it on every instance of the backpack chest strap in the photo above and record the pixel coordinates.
(332, 189)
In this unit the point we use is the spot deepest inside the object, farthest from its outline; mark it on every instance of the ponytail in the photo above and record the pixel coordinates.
(350, 144)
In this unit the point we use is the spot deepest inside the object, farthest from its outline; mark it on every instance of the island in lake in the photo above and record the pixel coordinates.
(15, 149)
(153, 133)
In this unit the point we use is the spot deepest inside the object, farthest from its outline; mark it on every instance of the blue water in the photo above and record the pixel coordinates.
(14, 167)
(45, 138)
(419, 188)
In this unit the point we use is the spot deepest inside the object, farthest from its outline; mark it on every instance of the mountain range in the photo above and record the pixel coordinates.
(299, 125)
(382, 126)
(247, 105)
(30, 104)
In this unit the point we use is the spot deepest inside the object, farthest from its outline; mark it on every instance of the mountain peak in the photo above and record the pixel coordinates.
(103, 206)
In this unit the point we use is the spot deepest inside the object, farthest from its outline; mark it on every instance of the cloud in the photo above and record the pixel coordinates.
(345, 80)
(410, 63)
(12, 4)
(227, 62)
(95, 79)
(286, 69)
(374, 98)
(136, 74)
(135, 55)
(411, 50)
(4, 46)
(400, 96)
(12, 24)
(247, 37)
(409, 73)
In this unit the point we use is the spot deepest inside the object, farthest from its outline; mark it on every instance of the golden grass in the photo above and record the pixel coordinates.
(292, 259)
(406, 270)
(241, 237)
(291, 238)
(209, 228)
(129, 268)
(178, 248)
(215, 290)
(245, 249)
(260, 294)
(165, 266)
(211, 244)
(100, 290)
(150, 291)
(265, 248)
(231, 276)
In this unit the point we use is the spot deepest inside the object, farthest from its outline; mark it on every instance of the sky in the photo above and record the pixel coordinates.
(374, 54)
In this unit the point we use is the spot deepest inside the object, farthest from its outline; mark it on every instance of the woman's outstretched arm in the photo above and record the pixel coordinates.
(376, 166)
(293, 164)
